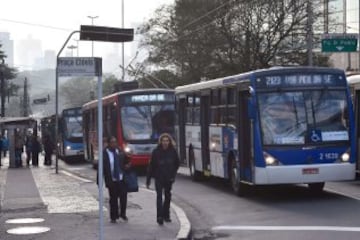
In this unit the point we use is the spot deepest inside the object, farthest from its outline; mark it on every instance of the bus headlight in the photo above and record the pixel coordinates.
(345, 157)
(270, 160)
(127, 149)
(68, 148)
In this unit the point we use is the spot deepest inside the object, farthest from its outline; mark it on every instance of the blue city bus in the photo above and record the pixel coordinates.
(354, 85)
(283, 125)
(70, 134)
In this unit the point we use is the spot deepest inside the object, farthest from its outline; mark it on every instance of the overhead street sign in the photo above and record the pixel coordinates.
(79, 67)
(106, 34)
(339, 43)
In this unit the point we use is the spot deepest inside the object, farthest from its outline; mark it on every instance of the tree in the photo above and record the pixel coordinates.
(213, 38)
(108, 84)
(76, 91)
(9, 73)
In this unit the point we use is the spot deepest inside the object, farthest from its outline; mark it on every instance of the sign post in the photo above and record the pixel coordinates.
(90, 67)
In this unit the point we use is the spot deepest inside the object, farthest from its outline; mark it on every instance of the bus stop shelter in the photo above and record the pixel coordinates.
(11, 124)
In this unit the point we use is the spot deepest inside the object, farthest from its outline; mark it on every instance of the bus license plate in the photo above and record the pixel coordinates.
(310, 171)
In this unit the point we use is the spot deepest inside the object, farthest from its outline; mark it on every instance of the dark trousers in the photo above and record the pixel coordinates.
(163, 207)
(35, 158)
(47, 158)
(117, 190)
(28, 157)
(18, 161)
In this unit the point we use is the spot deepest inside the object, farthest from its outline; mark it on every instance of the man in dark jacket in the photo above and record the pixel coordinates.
(163, 166)
(115, 163)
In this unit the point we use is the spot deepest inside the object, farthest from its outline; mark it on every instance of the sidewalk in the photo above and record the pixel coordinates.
(69, 208)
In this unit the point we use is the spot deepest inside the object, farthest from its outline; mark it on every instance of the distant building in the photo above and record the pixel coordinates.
(29, 50)
(7, 45)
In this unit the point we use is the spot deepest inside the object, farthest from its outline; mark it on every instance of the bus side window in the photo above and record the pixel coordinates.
(113, 119)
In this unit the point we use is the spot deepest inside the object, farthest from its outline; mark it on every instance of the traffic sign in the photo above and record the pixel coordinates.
(79, 66)
(339, 42)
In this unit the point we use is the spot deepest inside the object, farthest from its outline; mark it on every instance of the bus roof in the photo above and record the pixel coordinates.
(246, 76)
(130, 92)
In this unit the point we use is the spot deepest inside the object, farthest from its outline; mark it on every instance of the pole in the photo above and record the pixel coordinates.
(100, 157)
(122, 44)
(2, 79)
(92, 42)
(57, 101)
(309, 33)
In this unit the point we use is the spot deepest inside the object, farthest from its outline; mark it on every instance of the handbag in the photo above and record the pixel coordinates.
(131, 181)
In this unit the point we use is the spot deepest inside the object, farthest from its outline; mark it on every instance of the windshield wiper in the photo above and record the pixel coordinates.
(313, 111)
(296, 113)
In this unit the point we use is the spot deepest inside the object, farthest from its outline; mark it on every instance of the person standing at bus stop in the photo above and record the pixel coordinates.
(163, 166)
(48, 148)
(115, 163)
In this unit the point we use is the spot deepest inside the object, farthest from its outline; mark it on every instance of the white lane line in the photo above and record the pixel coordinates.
(76, 177)
(287, 228)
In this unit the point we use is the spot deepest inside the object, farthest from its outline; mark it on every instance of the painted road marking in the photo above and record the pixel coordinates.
(75, 176)
(287, 228)
(341, 193)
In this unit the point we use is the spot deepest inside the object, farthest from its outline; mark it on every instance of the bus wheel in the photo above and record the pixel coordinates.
(237, 187)
(316, 187)
(195, 175)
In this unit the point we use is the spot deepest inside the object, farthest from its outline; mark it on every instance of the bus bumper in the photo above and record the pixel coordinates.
(71, 152)
(304, 173)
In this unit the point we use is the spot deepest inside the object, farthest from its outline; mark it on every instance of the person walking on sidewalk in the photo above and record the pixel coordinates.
(163, 166)
(115, 163)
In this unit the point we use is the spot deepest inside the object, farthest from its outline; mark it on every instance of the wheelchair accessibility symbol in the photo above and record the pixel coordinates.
(315, 136)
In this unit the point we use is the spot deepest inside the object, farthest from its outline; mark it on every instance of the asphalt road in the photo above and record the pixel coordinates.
(272, 212)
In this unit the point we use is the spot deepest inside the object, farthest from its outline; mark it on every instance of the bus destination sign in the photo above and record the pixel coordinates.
(298, 80)
(143, 98)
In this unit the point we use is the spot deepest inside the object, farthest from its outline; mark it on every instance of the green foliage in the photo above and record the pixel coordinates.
(108, 84)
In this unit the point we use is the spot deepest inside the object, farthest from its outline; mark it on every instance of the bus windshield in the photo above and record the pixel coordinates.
(147, 122)
(303, 117)
(73, 127)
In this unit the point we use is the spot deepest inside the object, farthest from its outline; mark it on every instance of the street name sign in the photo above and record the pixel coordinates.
(79, 66)
(339, 42)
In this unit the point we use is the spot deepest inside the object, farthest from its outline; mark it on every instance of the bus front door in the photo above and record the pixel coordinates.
(204, 123)
(244, 137)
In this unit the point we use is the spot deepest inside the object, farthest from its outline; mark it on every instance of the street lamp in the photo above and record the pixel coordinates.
(72, 47)
(92, 42)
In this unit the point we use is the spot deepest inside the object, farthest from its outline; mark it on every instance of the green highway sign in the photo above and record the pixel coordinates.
(339, 45)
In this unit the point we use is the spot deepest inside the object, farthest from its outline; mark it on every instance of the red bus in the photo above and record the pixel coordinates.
(136, 118)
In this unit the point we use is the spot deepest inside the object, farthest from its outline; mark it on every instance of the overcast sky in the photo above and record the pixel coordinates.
(26, 17)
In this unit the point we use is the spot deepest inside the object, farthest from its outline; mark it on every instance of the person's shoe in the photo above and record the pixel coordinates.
(113, 221)
(160, 221)
(124, 217)
(167, 219)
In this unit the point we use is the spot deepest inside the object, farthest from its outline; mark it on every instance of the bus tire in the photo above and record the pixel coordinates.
(195, 175)
(238, 187)
(316, 187)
